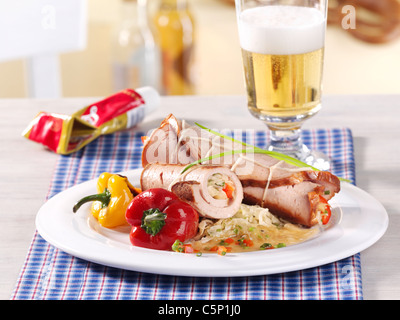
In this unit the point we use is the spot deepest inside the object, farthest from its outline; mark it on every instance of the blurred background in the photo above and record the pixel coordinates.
(179, 46)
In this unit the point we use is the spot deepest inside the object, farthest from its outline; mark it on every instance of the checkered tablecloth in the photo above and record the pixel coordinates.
(49, 273)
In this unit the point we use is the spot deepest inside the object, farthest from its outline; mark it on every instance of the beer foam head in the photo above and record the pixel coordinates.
(281, 30)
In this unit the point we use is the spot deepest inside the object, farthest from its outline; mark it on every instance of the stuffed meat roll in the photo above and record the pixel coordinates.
(214, 191)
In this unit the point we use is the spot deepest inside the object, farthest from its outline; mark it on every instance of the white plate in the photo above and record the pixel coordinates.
(358, 222)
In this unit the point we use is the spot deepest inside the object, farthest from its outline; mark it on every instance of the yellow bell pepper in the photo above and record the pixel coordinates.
(110, 203)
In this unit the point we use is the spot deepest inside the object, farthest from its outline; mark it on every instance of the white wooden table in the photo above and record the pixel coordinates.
(26, 169)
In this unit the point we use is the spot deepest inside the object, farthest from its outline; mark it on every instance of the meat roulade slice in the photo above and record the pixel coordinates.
(214, 191)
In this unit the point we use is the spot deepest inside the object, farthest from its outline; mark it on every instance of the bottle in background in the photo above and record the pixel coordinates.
(135, 58)
(174, 27)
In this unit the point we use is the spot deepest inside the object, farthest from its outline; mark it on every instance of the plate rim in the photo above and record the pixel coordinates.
(219, 268)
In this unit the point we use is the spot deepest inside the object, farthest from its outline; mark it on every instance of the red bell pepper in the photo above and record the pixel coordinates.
(159, 218)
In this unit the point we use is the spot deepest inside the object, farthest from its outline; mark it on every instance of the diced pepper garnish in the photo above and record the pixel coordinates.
(222, 250)
(266, 246)
(226, 241)
(245, 242)
(248, 242)
(228, 189)
(179, 246)
(189, 248)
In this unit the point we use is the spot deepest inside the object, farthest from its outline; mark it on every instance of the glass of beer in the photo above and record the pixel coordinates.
(282, 44)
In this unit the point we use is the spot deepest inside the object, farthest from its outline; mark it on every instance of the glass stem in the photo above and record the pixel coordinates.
(288, 142)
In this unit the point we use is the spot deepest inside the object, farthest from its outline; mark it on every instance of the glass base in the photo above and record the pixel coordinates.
(317, 159)
(289, 142)
(313, 158)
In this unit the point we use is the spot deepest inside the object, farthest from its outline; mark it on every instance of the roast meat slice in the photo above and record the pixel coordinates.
(296, 203)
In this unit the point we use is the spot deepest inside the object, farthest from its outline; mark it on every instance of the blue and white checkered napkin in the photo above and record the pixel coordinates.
(49, 273)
